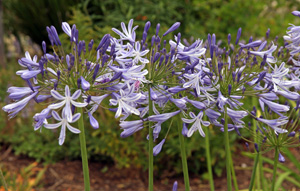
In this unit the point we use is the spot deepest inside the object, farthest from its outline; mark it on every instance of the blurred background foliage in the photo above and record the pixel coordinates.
(29, 18)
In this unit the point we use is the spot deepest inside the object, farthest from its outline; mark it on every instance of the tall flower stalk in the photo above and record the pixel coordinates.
(183, 157)
(227, 150)
(84, 157)
(276, 157)
(208, 159)
(150, 145)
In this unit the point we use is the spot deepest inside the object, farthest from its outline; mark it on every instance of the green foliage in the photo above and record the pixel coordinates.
(31, 17)
(95, 18)
(289, 174)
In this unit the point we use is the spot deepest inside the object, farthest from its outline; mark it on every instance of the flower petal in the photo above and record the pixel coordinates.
(72, 129)
(57, 105)
(57, 95)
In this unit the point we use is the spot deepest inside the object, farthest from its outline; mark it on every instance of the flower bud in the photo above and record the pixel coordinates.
(90, 46)
(172, 28)
(228, 39)
(157, 29)
(256, 147)
(44, 47)
(158, 147)
(268, 33)
(238, 36)
(185, 130)
(281, 158)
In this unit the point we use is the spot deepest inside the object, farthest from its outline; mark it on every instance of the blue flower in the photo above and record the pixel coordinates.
(128, 34)
(158, 147)
(270, 57)
(64, 123)
(130, 127)
(197, 121)
(276, 107)
(236, 116)
(163, 117)
(126, 102)
(41, 118)
(66, 100)
(175, 186)
(275, 123)
(14, 108)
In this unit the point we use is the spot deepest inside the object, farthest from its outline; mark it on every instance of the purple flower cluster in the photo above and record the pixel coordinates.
(154, 79)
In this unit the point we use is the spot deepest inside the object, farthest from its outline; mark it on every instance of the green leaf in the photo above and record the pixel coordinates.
(280, 179)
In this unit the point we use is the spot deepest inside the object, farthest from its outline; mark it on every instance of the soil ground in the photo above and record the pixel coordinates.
(67, 176)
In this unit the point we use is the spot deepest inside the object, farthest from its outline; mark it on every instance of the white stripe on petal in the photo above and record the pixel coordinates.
(78, 104)
(57, 95)
(57, 105)
(67, 91)
(62, 134)
(72, 129)
(56, 116)
(76, 94)
(68, 112)
(52, 126)
(75, 117)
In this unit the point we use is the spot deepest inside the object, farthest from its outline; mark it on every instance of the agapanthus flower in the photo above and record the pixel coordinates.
(197, 121)
(268, 53)
(64, 123)
(68, 71)
(66, 101)
(130, 127)
(158, 147)
(275, 123)
(128, 34)
(126, 102)
(14, 108)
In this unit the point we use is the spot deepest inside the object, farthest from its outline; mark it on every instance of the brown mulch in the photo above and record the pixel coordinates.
(68, 176)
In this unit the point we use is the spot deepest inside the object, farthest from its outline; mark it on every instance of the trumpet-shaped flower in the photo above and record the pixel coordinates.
(17, 93)
(64, 123)
(197, 121)
(126, 102)
(41, 118)
(194, 81)
(139, 55)
(191, 53)
(276, 123)
(276, 107)
(236, 116)
(132, 73)
(14, 108)
(130, 127)
(128, 34)
(160, 118)
(270, 57)
(67, 101)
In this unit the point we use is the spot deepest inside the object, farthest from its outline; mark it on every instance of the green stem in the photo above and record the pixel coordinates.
(257, 175)
(261, 172)
(150, 150)
(253, 172)
(3, 180)
(208, 159)
(227, 150)
(275, 168)
(85, 165)
(233, 174)
(183, 158)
